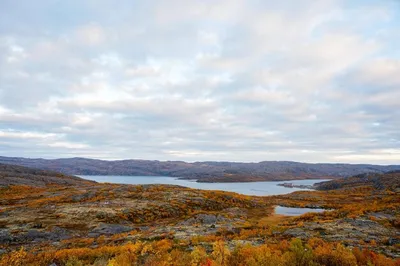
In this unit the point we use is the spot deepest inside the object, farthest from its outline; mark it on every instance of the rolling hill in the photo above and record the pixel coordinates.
(19, 175)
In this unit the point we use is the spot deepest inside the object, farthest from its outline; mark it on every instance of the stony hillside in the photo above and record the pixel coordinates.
(202, 171)
(19, 175)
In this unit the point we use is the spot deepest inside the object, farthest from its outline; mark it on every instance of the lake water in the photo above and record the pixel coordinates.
(246, 188)
(294, 211)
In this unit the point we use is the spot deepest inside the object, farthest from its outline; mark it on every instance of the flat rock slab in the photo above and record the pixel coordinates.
(109, 229)
(204, 219)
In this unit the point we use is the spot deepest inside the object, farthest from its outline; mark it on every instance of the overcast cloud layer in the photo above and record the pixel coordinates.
(313, 81)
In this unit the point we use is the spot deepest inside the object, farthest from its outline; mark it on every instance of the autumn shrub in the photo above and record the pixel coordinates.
(74, 261)
(166, 252)
(123, 259)
(198, 256)
(220, 253)
(367, 257)
(180, 258)
(299, 254)
(255, 256)
(15, 258)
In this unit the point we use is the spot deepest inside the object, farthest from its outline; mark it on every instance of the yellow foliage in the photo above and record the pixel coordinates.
(123, 259)
(162, 246)
(165, 253)
(15, 258)
(220, 253)
(199, 256)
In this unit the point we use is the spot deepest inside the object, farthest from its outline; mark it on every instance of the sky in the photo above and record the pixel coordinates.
(237, 80)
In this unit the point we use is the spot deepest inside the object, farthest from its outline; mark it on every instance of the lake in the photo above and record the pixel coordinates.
(246, 188)
(288, 211)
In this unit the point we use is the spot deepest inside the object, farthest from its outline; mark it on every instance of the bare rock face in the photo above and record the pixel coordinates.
(297, 232)
(33, 236)
(206, 219)
(109, 229)
(5, 237)
(346, 230)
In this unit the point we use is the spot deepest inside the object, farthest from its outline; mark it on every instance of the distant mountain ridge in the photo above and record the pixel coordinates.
(202, 171)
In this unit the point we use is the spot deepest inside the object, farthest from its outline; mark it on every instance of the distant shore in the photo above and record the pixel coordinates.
(291, 185)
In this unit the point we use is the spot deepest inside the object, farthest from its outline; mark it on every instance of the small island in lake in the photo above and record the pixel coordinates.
(291, 185)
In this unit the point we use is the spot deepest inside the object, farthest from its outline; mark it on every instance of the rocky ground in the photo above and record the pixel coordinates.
(87, 214)
(69, 216)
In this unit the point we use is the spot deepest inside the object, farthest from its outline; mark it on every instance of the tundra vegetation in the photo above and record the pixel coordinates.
(70, 221)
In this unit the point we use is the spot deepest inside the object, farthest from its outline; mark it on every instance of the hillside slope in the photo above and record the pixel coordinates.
(19, 175)
(386, 181)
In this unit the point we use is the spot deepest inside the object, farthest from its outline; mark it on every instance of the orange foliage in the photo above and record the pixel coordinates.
(164, 252)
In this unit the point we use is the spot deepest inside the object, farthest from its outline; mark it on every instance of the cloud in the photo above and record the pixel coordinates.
(222, 80)
(90, 35)
(378, 74)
